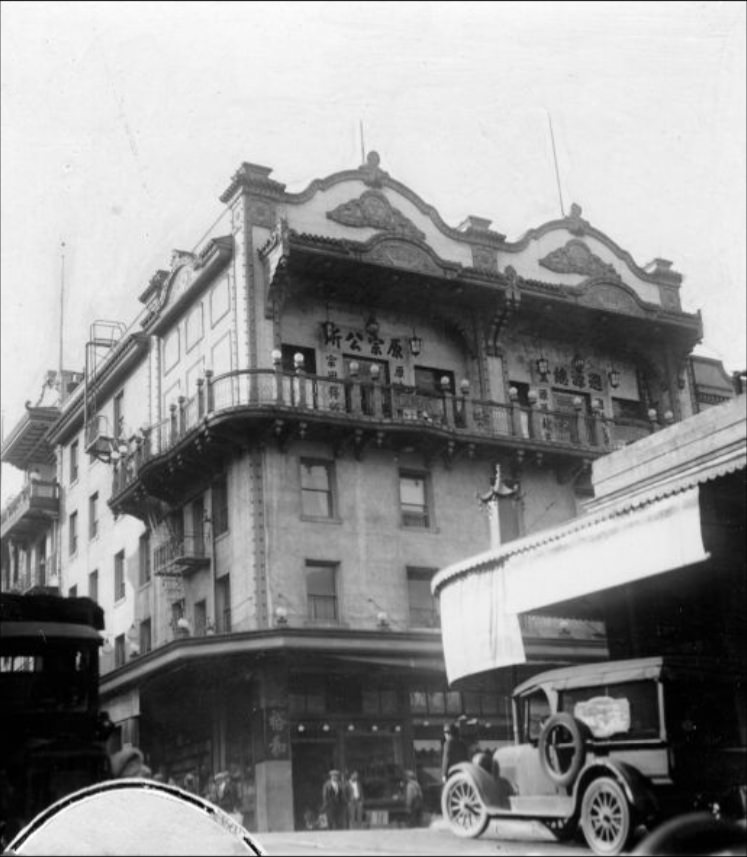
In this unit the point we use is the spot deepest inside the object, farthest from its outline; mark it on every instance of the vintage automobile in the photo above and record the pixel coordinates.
(608, 747)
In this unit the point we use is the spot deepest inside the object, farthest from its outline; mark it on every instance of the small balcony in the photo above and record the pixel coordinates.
(32, 510)
(180, 556)
(239, 408)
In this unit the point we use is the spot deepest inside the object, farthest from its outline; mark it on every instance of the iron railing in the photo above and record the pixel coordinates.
(37, 494)
(267, 389)
(168, 555)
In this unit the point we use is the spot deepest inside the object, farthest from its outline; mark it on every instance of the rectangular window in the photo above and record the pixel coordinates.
(200, 618)
(321, 590)
(119, 576)
(220, 506)
(74, 461)
(72, 592)
(221, 355)
(413, 497)
(145, 637)
(177, 612)
(119, 650)
(93, 585)
(144, 558)
(171, 350)
(93, 515)
(423, 605)
(316, 489)
(73, 533)
(194, 327)
(119, 426)
(220, 300)
(223, 604)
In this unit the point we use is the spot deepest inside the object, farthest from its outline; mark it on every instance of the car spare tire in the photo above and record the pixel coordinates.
(562, 748)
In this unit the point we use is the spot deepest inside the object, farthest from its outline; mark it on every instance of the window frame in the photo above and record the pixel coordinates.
(304, 464)
(72, 533)
(219, 511)
(146, 625)
(144, 553)
(120, 651)
(93, 585)
(118, 415)
(216, 313)
(334, 599)
(120, 588)
(173, 336)
(74, 461)
(422, 573)
(93, 520)
(189, 333)
(423, 476)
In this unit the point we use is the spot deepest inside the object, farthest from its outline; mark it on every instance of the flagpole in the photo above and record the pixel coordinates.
(555, 159)
(62, 309)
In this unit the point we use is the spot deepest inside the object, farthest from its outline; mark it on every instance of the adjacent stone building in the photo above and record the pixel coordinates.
(259, 477)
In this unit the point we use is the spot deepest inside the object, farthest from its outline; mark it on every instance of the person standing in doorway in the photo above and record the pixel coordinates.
(454, 750)
(333, 801)
(355, 801)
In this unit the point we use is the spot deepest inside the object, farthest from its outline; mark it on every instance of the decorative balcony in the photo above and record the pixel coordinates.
(180, 556)
(31, 511)
(239, 409)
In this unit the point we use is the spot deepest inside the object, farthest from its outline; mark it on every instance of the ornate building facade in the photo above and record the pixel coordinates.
(259, 477)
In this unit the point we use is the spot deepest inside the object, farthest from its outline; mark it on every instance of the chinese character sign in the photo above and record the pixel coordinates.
(278, 739)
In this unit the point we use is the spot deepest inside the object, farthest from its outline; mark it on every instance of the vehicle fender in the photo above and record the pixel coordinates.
(485, 783)
(633, 783)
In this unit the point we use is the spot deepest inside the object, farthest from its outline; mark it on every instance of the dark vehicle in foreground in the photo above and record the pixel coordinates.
(52, 735)
(608, 747)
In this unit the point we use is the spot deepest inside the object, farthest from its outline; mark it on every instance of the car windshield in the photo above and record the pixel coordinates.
(35, 678)
(533, 711)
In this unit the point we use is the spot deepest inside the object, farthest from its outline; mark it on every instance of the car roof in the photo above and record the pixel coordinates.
(616, 672)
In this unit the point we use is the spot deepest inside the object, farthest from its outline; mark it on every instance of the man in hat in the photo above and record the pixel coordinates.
(454, 750)
(334, 804)
(413, 799)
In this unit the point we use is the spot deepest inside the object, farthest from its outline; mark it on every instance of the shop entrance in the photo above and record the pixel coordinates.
(312, 761)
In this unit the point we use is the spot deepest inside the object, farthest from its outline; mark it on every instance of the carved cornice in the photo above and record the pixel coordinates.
(576, 258)
(182, 284)
(372, 175)
(373, 209)
(254, 179)
(575, 224)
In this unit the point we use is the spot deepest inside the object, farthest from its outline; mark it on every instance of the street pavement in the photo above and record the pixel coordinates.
(509, 838)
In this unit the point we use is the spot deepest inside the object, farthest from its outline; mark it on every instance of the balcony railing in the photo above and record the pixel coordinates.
(266, 390)
(180, 556)
(37, 499)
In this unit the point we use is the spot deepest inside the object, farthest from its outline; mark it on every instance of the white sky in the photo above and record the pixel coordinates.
(122, 123)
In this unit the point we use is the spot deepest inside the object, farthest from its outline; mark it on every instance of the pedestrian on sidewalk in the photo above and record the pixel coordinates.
(355, 801)
(334, 805)
(454, 750)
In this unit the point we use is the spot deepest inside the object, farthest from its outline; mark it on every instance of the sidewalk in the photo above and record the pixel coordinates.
(520, 838)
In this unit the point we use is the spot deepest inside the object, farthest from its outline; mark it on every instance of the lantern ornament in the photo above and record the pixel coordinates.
(372, 326)
(543, 368)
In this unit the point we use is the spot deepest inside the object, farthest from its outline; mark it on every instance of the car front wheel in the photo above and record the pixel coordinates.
(463, 807)
(606, 817)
